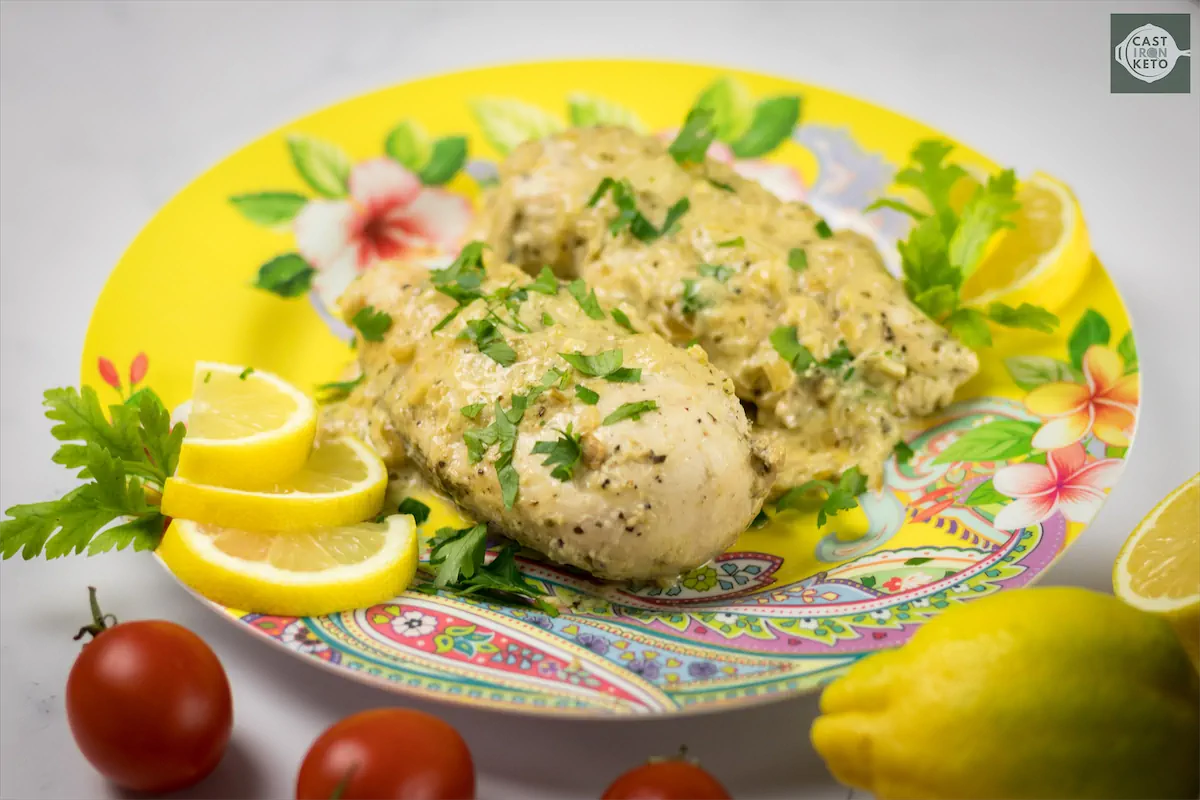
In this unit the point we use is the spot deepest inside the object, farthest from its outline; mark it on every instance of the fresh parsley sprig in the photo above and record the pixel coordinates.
(562, 453)
(945, 247)
(840, 495)
(462, 569)
(787, 344)
(126, 457)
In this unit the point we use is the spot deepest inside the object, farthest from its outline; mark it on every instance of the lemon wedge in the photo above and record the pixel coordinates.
(246, 429)
(342, 482)
(1042, 260)
(1158, 568)
(294, 573)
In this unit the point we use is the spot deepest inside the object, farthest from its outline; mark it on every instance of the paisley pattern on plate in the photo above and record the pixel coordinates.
(998, 486)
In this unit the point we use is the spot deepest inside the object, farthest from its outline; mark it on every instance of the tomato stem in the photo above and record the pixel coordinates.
(100, 621)
(340, 789)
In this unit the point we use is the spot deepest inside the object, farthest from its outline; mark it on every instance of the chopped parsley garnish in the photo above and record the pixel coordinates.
(841, 495)
(246, 373)
(563, 453)
(461, 280)
(622, 319)
(586, 395)
(798, 259)
(632, 411)
(903, 452)
(760, 520)
(472, 411)
(587, 301)
(489, 340)
(506, 475)
(823, 229)
(606, 364)
(625, 199)
(547, 320)
(459, 556)
(208, 376)
(288, 275)
(737, 241)
(372, 324)
(784, 340)
(692, 141)
(691, 300)
(724, 187)
(120, 454)
(717, 272)
(545, 283)
(945, 247)
(418, 510)
(334, 391)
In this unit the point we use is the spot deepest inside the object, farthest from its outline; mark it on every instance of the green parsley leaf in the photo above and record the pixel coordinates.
(597, 366)
(632, 411)
(784, 340)
(288, 275)
(457, 554)
(692, 141)
(1023, 316)
(418, 510)
(624, 375)
(246, 373)
(372, 324)
(737, 241)
(970, 326)
(760, 520)
(489, 340)
(472, 411)
(545, 283)
(840, 356)
(586, 395)
(932, 178)
(823, 229)
(506, 474)
(903, 452)
(798, 259)
(691, 299)
(724, 187)
(335, 391)
(462, 279)
(629, 217)
(989, 209)
(479, 441)
(622, 319)
(587, 301)
(562, 453)
(547, 320)
(839, 496)
(717, 272)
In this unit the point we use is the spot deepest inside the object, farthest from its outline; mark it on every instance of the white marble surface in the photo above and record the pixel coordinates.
(106, 110)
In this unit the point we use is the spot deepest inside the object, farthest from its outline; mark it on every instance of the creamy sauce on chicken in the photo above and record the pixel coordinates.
(739, 265)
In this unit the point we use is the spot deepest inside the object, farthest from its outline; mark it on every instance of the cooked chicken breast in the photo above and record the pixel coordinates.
(738, 265)
(642, 491)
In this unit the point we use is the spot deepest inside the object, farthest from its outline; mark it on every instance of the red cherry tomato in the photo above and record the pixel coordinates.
(388, 754)
(668, 779)
(148, 704)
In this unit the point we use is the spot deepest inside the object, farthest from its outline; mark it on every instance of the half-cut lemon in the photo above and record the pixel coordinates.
(294, 573)
(246, 429)
(1043, 259)
(1158, 569)
(343, 482)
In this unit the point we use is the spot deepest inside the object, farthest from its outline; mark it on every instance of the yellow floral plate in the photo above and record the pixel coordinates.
(243, 264)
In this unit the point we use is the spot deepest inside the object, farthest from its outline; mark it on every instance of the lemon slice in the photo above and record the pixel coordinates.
(343, 482)
(1044, 259)
(294, 573)
(1158, 569)
(246, 429)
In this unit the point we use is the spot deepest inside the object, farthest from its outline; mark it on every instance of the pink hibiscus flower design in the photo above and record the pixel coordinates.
(1067, 482)
(389, 215)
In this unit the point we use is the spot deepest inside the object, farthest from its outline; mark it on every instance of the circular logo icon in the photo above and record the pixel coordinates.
(1149, 53)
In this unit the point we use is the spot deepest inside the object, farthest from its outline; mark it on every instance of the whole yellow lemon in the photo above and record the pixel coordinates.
(1036, 693)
